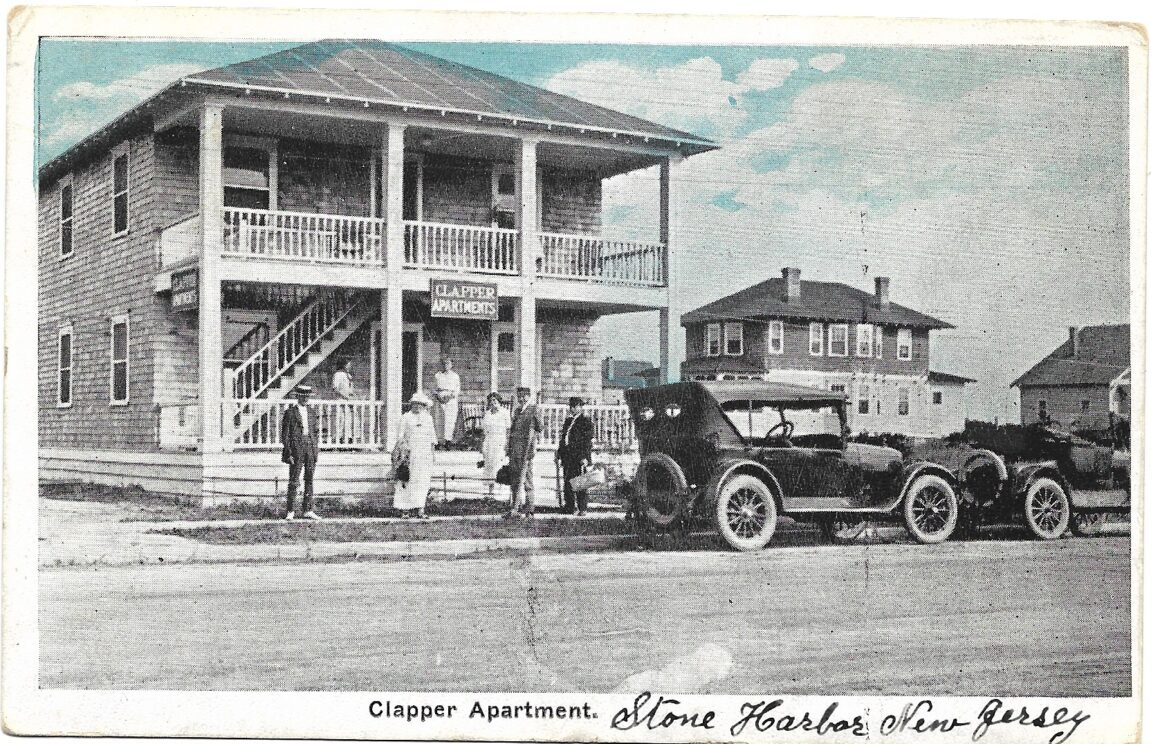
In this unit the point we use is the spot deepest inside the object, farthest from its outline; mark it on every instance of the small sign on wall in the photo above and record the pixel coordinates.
(451, 298)
(184, 290)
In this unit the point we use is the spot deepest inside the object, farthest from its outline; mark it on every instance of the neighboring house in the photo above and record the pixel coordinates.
(242, 230)
(835, 337)
(619, 374)
(1084, 379)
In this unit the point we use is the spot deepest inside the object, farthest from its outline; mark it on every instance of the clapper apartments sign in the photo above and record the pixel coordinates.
(451, 298)
(184, 290)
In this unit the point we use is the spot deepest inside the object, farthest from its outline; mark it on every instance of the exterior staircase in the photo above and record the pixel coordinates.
(272, 372)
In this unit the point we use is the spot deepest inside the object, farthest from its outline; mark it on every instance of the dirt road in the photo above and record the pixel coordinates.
(991, 617)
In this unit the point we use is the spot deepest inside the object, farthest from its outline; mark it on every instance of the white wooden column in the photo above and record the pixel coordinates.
(525, 178)
(669, 331)
(209, 309)
(391, 301)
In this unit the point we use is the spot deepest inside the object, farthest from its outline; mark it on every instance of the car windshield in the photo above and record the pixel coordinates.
(756, 419)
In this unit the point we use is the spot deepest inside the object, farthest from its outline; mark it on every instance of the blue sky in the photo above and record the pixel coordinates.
(990, 183)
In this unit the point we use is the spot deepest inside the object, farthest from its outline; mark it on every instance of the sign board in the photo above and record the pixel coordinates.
(451, 298)
(183, 290)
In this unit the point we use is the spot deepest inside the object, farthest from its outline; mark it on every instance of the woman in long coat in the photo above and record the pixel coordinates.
(496, 423)
(417, 437)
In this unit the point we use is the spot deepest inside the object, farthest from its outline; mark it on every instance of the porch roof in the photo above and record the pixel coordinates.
(370, 72)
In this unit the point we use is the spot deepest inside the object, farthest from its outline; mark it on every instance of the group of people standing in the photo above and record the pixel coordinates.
(507, 436)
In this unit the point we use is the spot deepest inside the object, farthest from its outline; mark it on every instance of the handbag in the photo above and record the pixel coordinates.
(503, 476)
(584, 481)
(403, 473)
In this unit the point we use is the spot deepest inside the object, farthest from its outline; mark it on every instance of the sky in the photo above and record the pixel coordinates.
(989, 183)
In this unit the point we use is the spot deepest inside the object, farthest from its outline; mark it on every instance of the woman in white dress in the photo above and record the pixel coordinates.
(417, 436)
(497, 421)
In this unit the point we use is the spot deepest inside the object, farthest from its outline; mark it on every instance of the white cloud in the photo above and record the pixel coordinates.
(69, 128)
(137, 87)
(827, 62)
(766, 74)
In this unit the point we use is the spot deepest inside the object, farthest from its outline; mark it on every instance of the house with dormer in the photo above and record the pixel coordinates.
(247, 227)
(835, 337)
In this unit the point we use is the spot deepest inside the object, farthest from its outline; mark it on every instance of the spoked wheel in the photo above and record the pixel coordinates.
(1045, 509)
(842, 531)
(746, 513)
(659, 495)
(1088, 524)
(930, 509)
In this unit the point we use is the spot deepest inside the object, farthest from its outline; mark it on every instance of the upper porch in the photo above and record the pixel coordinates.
(353, 198)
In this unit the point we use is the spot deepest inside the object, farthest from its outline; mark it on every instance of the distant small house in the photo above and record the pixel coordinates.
(832, 336)
(617, 375)
(1068, 387)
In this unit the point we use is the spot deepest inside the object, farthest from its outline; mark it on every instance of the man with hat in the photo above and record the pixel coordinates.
(521, 448)
(574, 454)
(300, 451)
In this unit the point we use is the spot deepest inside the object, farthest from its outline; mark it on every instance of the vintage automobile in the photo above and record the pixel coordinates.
(738, 454)
(1054, 481)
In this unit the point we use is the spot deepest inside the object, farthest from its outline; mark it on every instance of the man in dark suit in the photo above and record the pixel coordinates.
(574, 454)
(300, 451)
(521, 448)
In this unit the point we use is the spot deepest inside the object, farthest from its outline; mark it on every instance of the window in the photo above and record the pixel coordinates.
(905, 344)
(505, 342)
(816, 339)
(877, 342)
(119, 354)
(64, 366)
(864, 340)
(1085, 405)
(734, 344)
(1043, 410)
(839, 339)
(776, 337)
(903, 401)
(936, 397)
(712, 339)
(247, 174)
(837, 388)
(121, 193)
(66, 219)
(864, 399)
(507, 313)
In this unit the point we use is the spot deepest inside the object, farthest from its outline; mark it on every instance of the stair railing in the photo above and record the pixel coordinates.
(266, 365)
(247, 345)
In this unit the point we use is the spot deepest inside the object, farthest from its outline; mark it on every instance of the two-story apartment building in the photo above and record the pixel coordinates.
(247, 227)
(832, 336)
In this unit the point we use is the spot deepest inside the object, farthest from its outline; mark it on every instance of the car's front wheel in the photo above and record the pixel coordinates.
(930, 509)
(1046, 510)
(746, 512)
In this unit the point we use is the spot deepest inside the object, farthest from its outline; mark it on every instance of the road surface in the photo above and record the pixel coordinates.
(990, 617)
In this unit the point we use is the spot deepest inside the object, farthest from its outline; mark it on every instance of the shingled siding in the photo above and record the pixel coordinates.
(796, 354)
(104, 277)
(322, 178)
(175, 176)
(457, 192)
(1064, 403)
(570, 202)
(570, 362)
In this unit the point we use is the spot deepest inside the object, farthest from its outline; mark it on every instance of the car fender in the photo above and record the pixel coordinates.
(1025, 473)
(734, 466)
(913, 470)
(981, 458)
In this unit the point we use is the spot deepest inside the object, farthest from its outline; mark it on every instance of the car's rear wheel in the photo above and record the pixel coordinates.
(746, 512)
(930, 509)
(1087, 524)
(660, 494)
(1046, 510)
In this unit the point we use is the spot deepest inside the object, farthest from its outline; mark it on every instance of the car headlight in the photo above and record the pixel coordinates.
(672, 410)
(647, 414)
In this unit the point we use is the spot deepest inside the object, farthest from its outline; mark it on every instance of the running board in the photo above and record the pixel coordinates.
(835, 505)
(1111, 499)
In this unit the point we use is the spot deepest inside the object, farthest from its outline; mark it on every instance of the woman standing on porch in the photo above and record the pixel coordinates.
(417, 437)
(496, 423)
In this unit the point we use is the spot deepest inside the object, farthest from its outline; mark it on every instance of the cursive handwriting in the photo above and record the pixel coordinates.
(764, 715)
(995, 712)
(653, 717)
(909, 720)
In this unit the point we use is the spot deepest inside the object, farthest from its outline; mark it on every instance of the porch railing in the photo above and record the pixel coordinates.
(612, 425)
(342, 424)
(489, 250)
(302, 236)
(602, 260)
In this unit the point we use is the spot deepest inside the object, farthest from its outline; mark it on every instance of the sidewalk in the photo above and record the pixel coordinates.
(74, 533)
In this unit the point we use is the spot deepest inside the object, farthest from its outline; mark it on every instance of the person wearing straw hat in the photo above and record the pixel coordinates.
(574, 454)
(300, 451)
(417, 438)
(521, 448)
